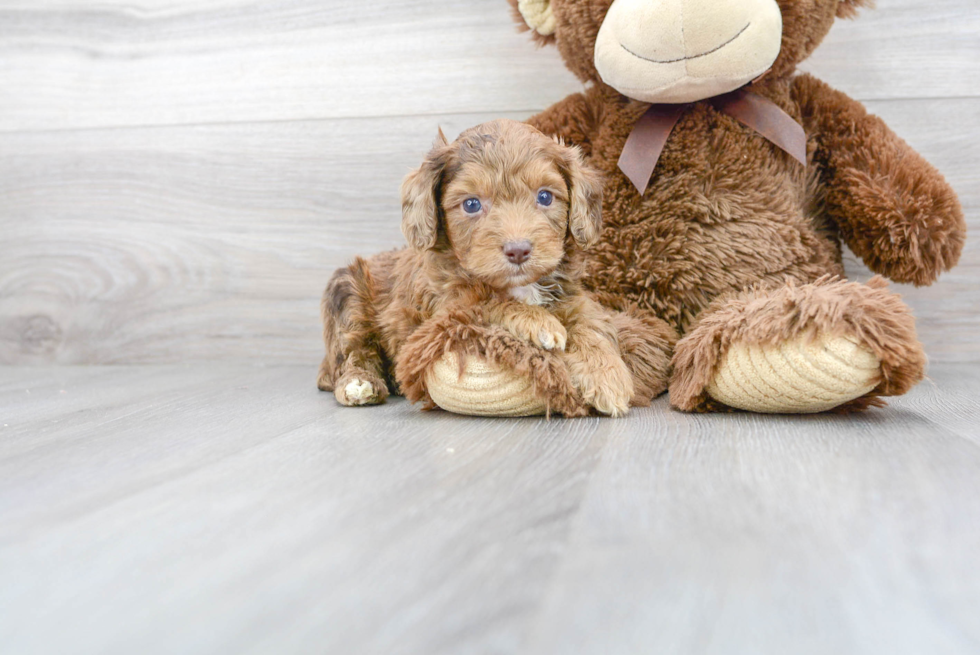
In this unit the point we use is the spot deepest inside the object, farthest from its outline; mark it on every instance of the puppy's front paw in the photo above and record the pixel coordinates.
(608, 388)
(358, 391)
(537, 326)
(552, 337)
(548, 333)
(353, 390)
(610, 401)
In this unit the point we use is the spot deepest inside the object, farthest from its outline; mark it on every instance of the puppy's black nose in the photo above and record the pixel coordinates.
(517, 252)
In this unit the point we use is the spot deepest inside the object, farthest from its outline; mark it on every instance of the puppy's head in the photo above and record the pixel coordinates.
(508, 202)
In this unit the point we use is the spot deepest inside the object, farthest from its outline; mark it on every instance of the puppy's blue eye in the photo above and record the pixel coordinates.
(472, 206)
(545, 198)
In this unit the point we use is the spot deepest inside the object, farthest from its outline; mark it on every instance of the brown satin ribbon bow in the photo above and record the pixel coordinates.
(650, 134)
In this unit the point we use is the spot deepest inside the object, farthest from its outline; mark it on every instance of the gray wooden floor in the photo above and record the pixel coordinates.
(233, 509)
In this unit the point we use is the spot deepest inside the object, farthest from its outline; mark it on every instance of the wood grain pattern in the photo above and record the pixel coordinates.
(903, 49)
(119, 62)
(177, 244)
(946, 398)
(172, 62)
(743, 533)
(220, 508)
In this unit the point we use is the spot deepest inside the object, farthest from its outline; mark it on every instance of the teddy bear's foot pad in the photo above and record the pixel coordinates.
(482, 389)
(799, 376)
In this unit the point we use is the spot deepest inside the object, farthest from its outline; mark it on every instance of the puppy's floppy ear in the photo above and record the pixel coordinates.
(584, 198)
(421, 196)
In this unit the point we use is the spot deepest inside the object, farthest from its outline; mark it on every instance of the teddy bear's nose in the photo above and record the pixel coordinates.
(517, 252)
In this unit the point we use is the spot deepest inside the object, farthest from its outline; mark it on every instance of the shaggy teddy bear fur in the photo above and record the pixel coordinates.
(734, 240)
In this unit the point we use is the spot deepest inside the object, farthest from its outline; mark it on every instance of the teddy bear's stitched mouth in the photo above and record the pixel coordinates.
(703, 54)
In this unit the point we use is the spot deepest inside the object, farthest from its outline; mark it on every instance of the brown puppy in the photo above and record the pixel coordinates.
(496, 222)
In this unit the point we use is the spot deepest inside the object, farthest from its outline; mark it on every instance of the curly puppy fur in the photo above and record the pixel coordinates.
(497, 222)
(727, 213)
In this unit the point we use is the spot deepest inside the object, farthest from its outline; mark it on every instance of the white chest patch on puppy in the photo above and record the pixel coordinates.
(536, 294)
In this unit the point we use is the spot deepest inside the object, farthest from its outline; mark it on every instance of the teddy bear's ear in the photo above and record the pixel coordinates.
(848, 8)
(420, 197)
(535, 15)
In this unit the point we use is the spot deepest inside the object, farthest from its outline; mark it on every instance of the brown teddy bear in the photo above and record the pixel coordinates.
(731, 183)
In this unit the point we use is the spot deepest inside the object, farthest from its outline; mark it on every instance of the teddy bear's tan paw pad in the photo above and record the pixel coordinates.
(795, 377)
(482, 389)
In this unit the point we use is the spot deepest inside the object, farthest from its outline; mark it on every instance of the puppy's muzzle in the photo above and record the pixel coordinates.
(517, 252)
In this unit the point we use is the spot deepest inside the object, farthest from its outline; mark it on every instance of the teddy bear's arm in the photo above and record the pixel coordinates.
(571, 119)
(893, 209)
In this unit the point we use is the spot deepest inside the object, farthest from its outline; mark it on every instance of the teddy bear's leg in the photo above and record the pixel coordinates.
(830, 344)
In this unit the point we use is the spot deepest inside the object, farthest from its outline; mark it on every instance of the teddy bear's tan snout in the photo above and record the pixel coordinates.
(686, 50)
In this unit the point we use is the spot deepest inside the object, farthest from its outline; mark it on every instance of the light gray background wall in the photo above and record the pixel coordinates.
(178, 178)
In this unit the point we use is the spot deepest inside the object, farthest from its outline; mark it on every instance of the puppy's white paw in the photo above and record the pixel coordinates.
(355, 389)
(358, 392)
(551, 340)
(543, 330)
